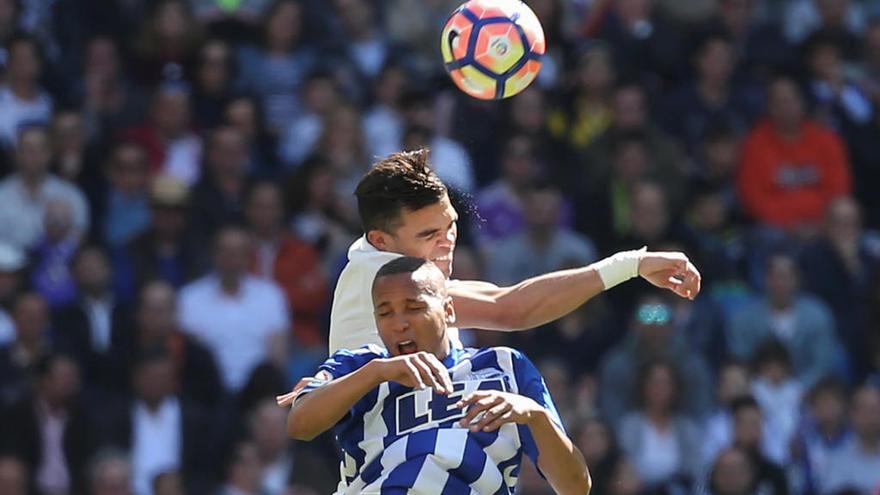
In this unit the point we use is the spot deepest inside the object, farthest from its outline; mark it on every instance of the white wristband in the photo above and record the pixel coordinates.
(620, 267)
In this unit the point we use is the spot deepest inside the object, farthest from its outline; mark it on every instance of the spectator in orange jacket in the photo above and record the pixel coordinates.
(791, 167)
(292, 263)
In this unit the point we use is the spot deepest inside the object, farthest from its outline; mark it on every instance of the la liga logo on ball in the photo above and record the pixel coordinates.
(492, 48)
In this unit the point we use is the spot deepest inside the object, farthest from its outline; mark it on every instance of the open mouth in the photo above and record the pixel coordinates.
(407, 347)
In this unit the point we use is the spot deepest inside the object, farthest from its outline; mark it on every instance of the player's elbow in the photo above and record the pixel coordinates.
(578, 482)
(298, 428)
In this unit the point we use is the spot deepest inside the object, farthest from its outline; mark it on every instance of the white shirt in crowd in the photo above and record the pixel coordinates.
(352, 324)
(21, 214)
(17, 113)
(156, 445)
(236, 328)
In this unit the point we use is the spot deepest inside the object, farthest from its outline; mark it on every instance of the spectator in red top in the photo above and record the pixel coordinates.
(289, 261)
(791, 167)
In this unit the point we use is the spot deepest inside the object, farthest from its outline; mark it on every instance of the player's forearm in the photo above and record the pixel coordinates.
(535, 301)
(317, 411)
(559, 460)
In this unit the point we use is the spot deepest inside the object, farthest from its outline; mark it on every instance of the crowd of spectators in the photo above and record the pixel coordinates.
(176, 183)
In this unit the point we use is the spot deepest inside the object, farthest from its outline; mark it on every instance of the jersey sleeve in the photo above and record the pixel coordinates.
(341, 363)
(531, 384)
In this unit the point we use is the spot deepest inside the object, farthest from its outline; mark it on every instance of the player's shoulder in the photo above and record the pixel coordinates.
(362, 354)
(502, 354)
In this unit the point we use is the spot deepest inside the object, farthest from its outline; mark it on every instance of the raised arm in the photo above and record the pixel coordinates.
(545, 298)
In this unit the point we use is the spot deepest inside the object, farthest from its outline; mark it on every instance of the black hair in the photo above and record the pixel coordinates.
(744, 402)
(403, 180)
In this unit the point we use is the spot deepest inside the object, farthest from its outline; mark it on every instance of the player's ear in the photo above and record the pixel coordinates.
(378, 239)
(449, 311)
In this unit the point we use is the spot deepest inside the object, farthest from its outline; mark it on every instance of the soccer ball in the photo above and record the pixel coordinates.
(492, 48)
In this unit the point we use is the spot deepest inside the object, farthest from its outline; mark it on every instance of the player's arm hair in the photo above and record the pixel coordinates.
(528, 304)
(559, 459)
(319, 410)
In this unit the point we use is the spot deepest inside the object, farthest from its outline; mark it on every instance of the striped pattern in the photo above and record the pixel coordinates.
(397, 440)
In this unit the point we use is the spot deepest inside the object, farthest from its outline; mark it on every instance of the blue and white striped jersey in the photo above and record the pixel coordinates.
(401, 440)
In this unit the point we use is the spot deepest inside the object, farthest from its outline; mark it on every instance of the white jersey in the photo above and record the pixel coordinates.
(352, 324)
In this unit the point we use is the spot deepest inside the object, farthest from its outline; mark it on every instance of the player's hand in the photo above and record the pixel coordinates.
(287, 399)
(671, 270)
(419, 370)
(492, 408)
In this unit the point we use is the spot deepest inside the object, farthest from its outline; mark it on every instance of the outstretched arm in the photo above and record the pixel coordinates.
(545, 298)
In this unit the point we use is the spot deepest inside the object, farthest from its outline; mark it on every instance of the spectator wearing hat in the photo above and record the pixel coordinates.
(165, 250)
(12, 264)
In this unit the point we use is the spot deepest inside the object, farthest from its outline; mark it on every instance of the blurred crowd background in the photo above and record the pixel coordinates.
(176, 205)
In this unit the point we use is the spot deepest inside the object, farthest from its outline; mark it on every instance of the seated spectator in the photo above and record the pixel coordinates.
(299, 136)
(245, 114)
(760, 46)
(839, 267)
(543, 246)
(167, 41)
(856, 463)
(289, 262)
(319, 215)
(93, 325)
(276, 68)
(585, 113)
(125, 209)
(162, 429)
(74, 157)
(452, 161)
(13, 476)
(23, 101)
(110, 99)
(748, 436)
(212, 82)
(33, 340)
(713, 95)
(733, 383)
(658, 439)
(652, 337)
(779, 394)
(383, 121)
(362, 49)
(156, 325)
(25, 193)
(51, 429)
(242, 319)
(172, 147)
(500, 204)
(842, 104)
(823, 428)
(166, 250)
(630, 116)
(801, 322)
(52, 256)
(218, 197)
(791, 167)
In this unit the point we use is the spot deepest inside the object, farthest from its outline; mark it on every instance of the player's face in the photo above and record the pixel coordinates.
(428, 232)
(412, 311)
